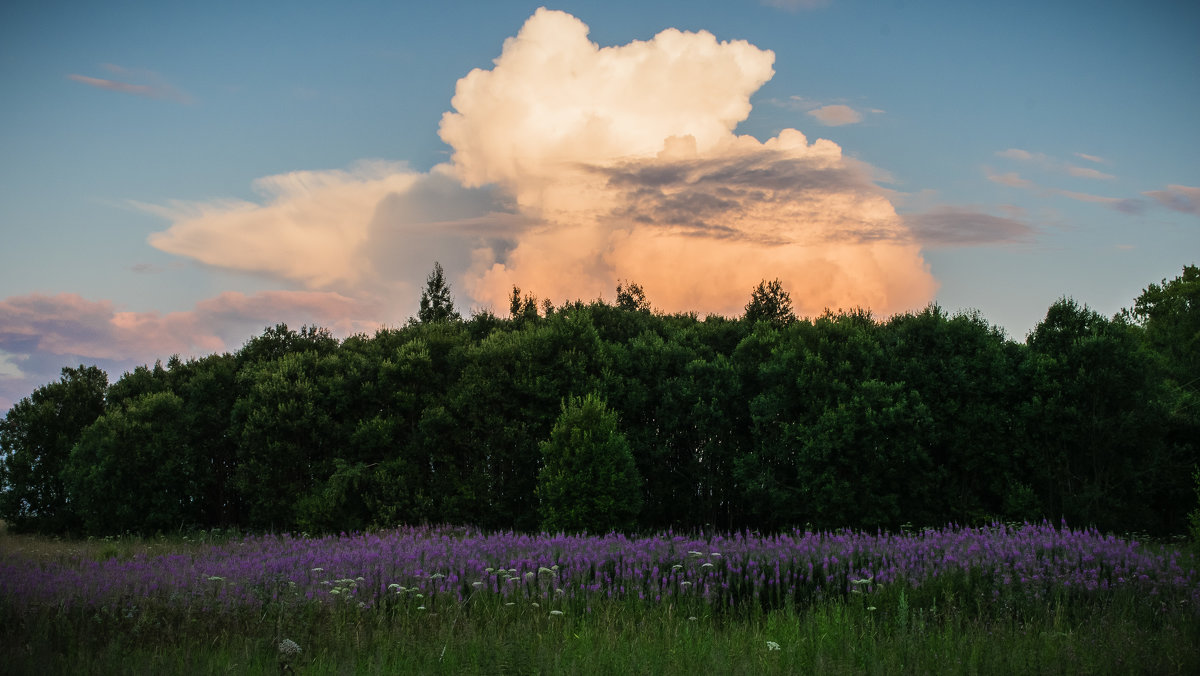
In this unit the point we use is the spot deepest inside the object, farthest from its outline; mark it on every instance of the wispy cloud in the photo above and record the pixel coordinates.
(951, 226)
(143, 83)
(1181, 198)
(836, 115)
(1088, 172)
(1049, 163)
(796, 5)
(1014, 180)
(1091, 158)
(827, 113)
(1011, 179)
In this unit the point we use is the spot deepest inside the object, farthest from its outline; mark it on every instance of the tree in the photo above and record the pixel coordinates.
(36, 437)
(521, 309)
(588, 480)
(133, 469)
(630, 296)
(1094, 424)
(437, 305)
(769, 302)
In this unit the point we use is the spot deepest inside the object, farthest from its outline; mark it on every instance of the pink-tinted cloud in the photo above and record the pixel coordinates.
(153, 86)
(1088, 172)
(1091, 158)
(310, 227)
(1182, 198)
(39, 333)
(575, 165)
(836, 115)
(1048, 163)
(1011, 179)
(641, 177)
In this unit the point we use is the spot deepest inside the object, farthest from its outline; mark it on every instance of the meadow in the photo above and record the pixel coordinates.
(1030, 598)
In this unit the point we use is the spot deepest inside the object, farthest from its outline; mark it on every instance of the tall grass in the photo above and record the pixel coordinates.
(1034, 599)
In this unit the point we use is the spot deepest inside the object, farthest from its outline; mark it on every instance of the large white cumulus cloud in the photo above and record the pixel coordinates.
(629, 157)
(576, 165)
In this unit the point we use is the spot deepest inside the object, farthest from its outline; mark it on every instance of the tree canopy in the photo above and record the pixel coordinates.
(590, 416)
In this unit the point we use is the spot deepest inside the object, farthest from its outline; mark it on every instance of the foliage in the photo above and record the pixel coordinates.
(760, 422)
(588, 482)
(769, 302)
(437, 305)
(36, 437)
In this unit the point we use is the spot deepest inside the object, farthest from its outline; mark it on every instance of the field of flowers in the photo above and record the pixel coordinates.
(287, 590)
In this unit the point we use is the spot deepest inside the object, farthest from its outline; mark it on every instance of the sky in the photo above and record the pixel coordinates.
(174, 177)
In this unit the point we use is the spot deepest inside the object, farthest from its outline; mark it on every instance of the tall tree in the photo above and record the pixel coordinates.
(769, 302)
(437, 305)
(630, 296)
(36, 437)
(134, 470)
(588, 480)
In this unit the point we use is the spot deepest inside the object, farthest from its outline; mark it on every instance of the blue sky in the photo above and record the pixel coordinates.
(989, 156)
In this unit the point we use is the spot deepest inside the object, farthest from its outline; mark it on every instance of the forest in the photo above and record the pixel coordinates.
(597, 416)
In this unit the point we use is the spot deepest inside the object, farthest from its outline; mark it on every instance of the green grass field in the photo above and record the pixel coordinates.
(944, 628)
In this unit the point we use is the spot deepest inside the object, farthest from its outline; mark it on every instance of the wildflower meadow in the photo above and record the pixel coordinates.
(1031, 598)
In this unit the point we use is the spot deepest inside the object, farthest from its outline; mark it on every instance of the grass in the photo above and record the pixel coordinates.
(943, 628)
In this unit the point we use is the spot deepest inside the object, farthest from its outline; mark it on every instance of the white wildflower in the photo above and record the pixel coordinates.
(288, 648)
(554, 613)
(317, 570)
(771, 645)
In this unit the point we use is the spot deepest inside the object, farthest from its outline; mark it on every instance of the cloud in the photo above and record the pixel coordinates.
(1091, 158)
(153, 86)
(949, 226)
(1012, 179)
(836, 115)
(1181, 198)
(1018, 154)
(796, 5)
(39, 334)
(1087, 172)
(309, 228)
(1048, 163)
(627, 155)
(572, 166)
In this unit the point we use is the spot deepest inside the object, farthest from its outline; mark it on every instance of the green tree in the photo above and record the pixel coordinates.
(1170, 314)
(630, 296)
(133, 470)
(437, 305)
(588, 481)
(1094, 424)
(769, 302)
(36, 437)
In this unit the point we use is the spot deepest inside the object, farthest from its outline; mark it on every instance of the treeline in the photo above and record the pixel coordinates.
(761, 422)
